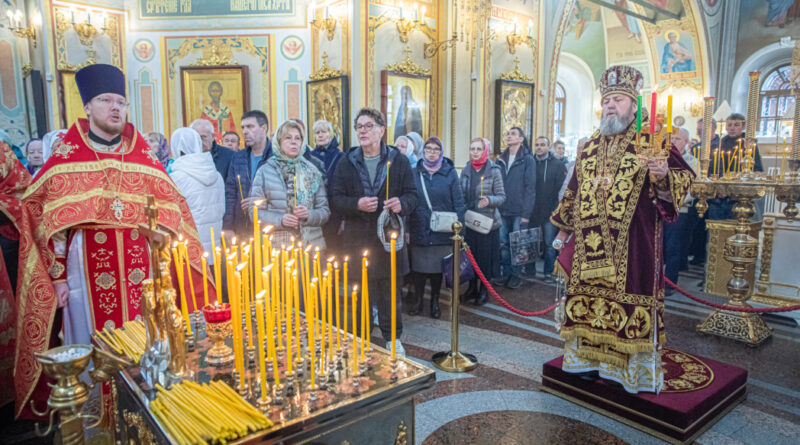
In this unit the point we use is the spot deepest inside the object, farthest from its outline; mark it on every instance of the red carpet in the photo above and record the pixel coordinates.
(697, 392)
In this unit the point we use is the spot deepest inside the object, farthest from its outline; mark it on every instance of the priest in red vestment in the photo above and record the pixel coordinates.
(86, 254)
(13, 180)
(614, 208)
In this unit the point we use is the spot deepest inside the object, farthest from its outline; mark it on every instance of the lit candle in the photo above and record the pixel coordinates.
(296, 305)
(784, 157)
(653, 113)
(239, 181)
(256, 247)
(388, 164)
(183, 251)
(312, 328)
(344, 309)
(205, 278)
(244, 279)
(222, 241)
(266, 275)
(639, 113)
(338, 294)
(716, 155)
(481, 186)
(261, 335)
(365, 296)
(669, 114)
(179, 272)
(393, 284)
(329, 305)
(238, 346)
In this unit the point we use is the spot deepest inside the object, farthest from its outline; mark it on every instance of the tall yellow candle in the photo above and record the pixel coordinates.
(256, 247)
(204, 262)
(481, 186)
(222, 240)
(367, 306)
(393, 292)
(218, 273)
(183, 251)
(265, 275)
(322, 300)
(296, 303)
(364, 303)
(669, 114)
(345, 287)
(338, 295)
(388, 164)
(289, 305)
(329, 310)
(312, 328)
(355, 342)
(179, 272)
(237, 321)
(262, 361)
(245, 271)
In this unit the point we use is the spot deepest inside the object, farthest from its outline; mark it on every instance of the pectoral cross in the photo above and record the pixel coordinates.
(117, 207)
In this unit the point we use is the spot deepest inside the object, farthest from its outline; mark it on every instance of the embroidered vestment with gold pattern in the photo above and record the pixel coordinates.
(615, 288)
(99, 196)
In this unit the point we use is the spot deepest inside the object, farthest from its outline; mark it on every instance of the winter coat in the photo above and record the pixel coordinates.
(270, 186)
(445, 196)
(330, 155)
(235, 218)
(519, 183)
(350, 183)
(492, 189)
(550, 175)
(202, 186)
(222, 158)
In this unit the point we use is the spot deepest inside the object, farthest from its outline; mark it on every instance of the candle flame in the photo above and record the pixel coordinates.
(258, 202)
(180, 237)
(335, 264)
(308, 248)
(394, 235)
(175, 245)
(331, 258)
(205, 254)
(267, 229)
(233, 241)
(355, 288)
(241, 267)
(266, 268)
(365, 254)
(219, 249)
(231, 257)
(346, 259)
(260, 295)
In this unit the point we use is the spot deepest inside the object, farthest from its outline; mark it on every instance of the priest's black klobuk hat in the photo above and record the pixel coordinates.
(98, 79)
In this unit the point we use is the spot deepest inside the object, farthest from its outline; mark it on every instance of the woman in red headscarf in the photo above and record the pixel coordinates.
(482, 186)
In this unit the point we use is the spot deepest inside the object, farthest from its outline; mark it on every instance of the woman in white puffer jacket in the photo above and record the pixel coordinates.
(198, 180)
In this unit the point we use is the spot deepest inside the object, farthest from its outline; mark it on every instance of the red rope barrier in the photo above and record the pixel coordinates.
(497, 297)
(731, 308)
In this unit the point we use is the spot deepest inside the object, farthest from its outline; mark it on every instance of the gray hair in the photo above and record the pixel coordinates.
(322, 125)
(202, 123)
(685, 132)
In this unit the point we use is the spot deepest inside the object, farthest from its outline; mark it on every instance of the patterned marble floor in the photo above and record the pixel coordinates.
(501, 401)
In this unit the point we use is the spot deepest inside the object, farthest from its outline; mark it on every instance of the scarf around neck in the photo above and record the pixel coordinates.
(300, 176)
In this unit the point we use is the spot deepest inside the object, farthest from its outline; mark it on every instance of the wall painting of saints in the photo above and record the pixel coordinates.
(405, 100)
(327, 100)
(513, 108)
(217, 94)
(676, 56)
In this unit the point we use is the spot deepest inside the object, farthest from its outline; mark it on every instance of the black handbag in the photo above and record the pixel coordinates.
(464, 266)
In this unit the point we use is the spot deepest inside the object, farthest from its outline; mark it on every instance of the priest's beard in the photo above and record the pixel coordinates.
(615, 124)
(108, 127)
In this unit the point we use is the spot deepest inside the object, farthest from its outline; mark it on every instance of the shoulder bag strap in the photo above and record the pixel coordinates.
(425, 191)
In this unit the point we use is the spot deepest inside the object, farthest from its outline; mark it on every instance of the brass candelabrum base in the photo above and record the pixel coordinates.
(220, 354)
(741, 250)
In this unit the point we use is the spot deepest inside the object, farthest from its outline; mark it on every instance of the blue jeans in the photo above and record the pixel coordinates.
(510, 224)
(549, 232)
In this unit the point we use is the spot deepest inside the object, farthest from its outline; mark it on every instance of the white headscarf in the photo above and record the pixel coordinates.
(185, 141)
(48, 140)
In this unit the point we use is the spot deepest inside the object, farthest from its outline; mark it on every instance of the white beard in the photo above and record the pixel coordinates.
(614, 125)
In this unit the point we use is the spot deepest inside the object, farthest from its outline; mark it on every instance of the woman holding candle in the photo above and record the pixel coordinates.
(293, 188)
(438, 190)
(360, 194)
(482, 186)
(199, 182)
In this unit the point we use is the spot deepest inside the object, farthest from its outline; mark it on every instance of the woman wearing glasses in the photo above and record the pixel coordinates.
(360, 194)
(482, 185)
(437, 191)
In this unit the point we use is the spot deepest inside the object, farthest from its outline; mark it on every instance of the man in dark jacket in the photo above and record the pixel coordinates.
(359, 195)
(255, 127)
(222, 155)
(550, 175)
(697, 248)
(519, 180)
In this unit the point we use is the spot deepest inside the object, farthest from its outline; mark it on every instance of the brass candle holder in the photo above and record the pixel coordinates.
(65, 364)
(218, 329)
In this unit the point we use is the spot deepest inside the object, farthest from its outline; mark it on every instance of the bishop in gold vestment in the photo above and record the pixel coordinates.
(614, 208)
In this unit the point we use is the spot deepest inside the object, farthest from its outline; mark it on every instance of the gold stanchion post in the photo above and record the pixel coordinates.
(454, 360)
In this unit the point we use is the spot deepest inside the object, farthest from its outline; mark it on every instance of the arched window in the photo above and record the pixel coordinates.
(776, 98)
(559, 115)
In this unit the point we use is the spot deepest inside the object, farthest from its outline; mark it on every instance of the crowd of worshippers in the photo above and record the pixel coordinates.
(330, 196)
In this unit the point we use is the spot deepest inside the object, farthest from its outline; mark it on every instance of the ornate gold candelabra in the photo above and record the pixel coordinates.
(514, 39)
(406, 25)
(327, 24)
(744, 186)
(65, 364)
(16, 28)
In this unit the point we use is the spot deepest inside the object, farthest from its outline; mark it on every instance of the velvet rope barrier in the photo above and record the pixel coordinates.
(731, 308)
(497, 297)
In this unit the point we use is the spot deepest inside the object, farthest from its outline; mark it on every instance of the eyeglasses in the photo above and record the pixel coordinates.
(366, 127)
(432, 149)
(108, 102)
